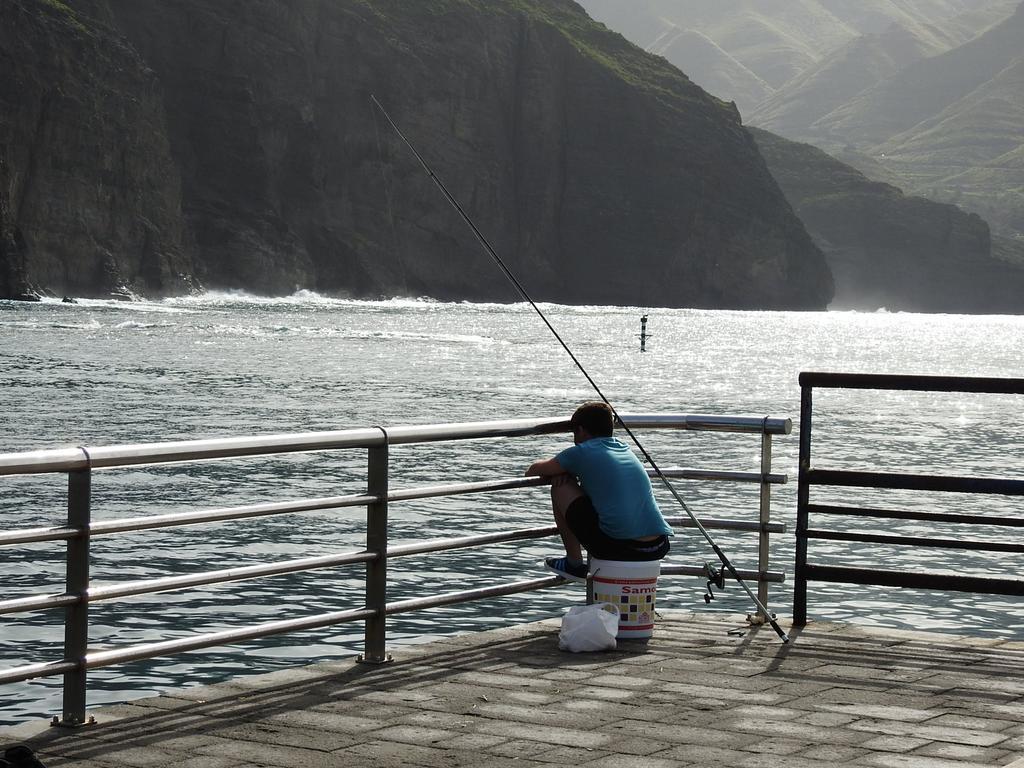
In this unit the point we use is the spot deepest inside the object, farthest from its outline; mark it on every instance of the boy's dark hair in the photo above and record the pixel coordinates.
(595, 417)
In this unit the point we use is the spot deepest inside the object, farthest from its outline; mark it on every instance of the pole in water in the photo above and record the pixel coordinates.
(643, 333)
(726, 563)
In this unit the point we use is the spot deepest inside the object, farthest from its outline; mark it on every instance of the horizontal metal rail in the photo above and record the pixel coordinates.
(244, 573)
(914, 541)
(902, 382)
(905, 514)
(152, 522)
(811, 477)
(911, 580)
(233, 636)
(726, 524)
(80, 463)
(906, 482)
(99, 457)
(772, 577)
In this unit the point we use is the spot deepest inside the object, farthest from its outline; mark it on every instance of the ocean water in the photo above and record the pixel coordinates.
(218, 365)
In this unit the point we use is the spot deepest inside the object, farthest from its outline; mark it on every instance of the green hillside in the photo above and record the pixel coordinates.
(922, 94)
(693, 51)
(948, 127)
(832, 82)
(925, 88)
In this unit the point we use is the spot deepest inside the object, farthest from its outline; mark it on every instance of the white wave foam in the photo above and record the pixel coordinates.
(299, 298)
(135, 324)
(306, 297)
(92, 325)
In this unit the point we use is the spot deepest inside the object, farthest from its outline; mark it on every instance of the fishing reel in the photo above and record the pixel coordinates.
(716, 577)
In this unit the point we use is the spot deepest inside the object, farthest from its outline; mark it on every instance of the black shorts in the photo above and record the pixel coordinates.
(582, 519)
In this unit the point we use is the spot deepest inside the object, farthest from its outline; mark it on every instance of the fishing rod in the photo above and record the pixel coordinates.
(726, 563)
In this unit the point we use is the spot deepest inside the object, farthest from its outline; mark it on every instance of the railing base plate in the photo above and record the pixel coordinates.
(385, 659)
(56, 722)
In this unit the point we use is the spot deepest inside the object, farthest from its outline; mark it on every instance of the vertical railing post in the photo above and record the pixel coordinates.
(802, 500)
(765, 506)
(375, 639)
(76, 616)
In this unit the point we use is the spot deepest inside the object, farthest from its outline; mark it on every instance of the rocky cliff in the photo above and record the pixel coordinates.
(887, 249)
(89, 192)
(150, 143)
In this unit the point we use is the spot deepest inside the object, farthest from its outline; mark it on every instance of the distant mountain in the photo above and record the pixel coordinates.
(778, 40)
(922, 94)
(838, 78)
(959, 20)
(890, 250)
(972, 153)
(925, 88)
(949, 127)
(774, 40)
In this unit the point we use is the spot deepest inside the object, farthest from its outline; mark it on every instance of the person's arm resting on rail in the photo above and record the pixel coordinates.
(545, 468)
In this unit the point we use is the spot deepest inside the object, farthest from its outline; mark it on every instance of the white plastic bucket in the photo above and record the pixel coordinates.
(630, 586)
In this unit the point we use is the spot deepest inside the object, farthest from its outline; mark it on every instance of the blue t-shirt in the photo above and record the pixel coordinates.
(618, 486)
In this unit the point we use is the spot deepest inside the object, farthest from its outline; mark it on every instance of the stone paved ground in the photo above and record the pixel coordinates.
(707, 690)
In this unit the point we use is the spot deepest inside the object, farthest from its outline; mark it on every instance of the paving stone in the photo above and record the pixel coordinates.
(475, 741)
(631, 761)
(386, 753)
(715, 693)
(556, 716)
(571, 756)
(548, 734)
(983, 755)
(325, 720)
(678, 734)
(703, 754)
(775, 746)
(1013, 744)
(810, 734)
(264, 754)
(825, 719)
(136, 757)
(266, 733)
(601, 692)
(830, 754)
(967, 721)
(894, 744)
(766, 712)
(518, 748)
(931, 733)
(447, 720)
(1012, 710)
(791, 761)
(903, 714)
(913, 761)
(414, 734)
(623, 681)
(208, 762)
(636, 746)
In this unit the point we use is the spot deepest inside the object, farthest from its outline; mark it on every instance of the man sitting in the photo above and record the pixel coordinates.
(601, 497)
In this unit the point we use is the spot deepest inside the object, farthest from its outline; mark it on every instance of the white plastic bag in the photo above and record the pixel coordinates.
(589, 628)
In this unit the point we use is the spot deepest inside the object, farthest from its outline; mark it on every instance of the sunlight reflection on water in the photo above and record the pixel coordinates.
(101, 373)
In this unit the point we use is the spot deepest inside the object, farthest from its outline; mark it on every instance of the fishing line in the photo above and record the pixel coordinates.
(726, 563)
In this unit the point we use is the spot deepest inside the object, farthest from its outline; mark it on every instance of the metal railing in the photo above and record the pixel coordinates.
(822, 478)
(80, 529)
